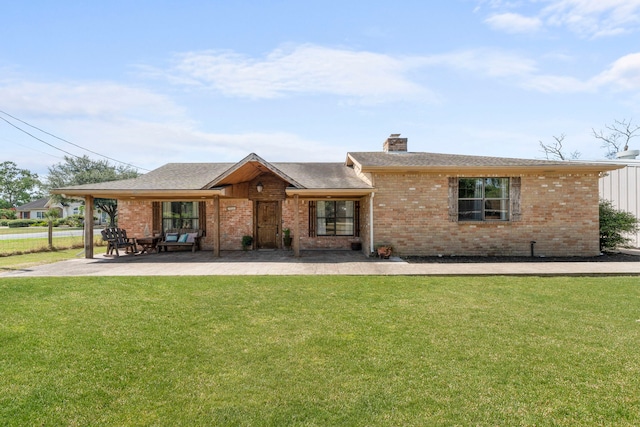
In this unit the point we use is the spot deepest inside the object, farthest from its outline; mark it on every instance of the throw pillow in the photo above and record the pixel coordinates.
(191, 237)
(183, 238)
(171, 237)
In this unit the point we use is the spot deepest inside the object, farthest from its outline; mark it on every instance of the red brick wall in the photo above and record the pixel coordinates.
(560, 213)
(310, 243)
(236, 220)
(134, 216)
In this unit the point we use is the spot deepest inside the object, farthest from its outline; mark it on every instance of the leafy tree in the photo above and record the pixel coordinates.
(83, 170)
(18, 186)
(8, 214)
(613, 224)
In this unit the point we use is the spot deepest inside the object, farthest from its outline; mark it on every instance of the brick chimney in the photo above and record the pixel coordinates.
(395, 143)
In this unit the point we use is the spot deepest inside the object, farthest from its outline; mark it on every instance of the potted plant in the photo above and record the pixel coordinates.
(384, 251)
(247, 241)
(287, 238)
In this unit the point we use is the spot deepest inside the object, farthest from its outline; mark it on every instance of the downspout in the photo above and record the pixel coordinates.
(371, 223)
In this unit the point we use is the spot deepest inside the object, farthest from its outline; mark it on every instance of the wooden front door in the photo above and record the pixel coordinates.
(267, 225)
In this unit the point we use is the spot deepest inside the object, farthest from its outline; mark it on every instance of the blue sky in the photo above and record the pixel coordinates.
(152, 82)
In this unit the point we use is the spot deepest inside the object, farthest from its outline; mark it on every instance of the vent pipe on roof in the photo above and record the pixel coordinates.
(628, 154)
(395, 143)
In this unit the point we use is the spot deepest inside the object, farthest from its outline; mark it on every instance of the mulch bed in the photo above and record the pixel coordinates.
(605, 257)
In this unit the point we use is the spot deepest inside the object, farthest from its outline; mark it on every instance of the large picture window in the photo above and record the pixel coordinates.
(180, 215)
(336, 218)
(483, 199)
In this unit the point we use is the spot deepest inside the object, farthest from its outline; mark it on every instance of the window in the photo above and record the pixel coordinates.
(334, 218)
(180, 215)
(483, 199)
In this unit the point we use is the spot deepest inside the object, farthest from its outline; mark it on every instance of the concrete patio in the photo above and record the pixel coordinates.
(309, 263)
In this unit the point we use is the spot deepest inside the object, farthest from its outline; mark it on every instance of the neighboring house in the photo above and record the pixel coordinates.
(622, 188)
(419, 203)
(33, 210)
(38, 208)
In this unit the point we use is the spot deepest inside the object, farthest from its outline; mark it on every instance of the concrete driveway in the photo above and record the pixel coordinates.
(310, 263)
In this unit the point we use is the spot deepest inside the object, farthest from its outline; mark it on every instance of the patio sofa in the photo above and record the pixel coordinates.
(180, 238)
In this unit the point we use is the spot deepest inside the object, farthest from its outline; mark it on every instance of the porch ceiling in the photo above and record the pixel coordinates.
(246, 172)
(247, 169)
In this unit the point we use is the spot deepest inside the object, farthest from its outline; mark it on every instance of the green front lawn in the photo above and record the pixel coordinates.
(319, 351)
(31, 230)
(17, 262)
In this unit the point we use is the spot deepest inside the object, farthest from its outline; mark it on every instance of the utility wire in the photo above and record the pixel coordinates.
(34, 149)
(35, 137)
(62, 139)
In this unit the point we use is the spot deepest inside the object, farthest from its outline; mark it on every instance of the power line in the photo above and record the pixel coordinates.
(34, 149)
(35, 137)
(61, 139)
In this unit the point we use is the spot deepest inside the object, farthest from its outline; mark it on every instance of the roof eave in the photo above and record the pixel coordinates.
(329, 192)
(457, 170)
(140, 194)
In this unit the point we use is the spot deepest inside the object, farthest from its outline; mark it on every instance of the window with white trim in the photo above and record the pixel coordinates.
(483, 199)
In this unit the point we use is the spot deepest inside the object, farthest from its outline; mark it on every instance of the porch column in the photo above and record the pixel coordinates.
(296, 227)
(88, 227)
(216, 226)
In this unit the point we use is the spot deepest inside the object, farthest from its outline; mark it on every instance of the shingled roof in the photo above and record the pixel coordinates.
(34, 205)
(405, 161)
(208, 179)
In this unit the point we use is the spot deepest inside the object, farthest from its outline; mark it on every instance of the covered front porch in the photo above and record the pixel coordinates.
(322, 208)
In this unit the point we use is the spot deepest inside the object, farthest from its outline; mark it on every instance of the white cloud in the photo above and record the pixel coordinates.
(85, 99)
(514, 23)
(305, 69)
(557, 84)
(623, 74)
(128, 124)
(485, 62)
(587, 18)
(314, 70)
(371, 77)
(594, 18)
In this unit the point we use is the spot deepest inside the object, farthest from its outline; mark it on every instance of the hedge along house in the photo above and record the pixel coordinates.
(419, 203)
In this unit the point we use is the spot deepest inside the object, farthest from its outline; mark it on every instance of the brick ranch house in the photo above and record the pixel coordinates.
(419, 203)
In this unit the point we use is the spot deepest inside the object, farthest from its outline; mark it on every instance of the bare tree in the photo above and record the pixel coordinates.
(554, 150)
(620, 133)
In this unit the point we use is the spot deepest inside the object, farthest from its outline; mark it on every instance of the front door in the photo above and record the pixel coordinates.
(267, 223)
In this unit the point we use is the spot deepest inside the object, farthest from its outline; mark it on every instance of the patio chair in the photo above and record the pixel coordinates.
(117, 238)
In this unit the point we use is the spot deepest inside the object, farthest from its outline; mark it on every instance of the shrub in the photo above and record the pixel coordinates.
(59, 221)
(247, 241)
(8, 214)
(613, 224)
(74, 220)
(16, 223)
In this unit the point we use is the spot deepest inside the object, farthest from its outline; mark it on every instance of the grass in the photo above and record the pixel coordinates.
(31, 230)
(16, 262)
(12, 247)
(353, 351)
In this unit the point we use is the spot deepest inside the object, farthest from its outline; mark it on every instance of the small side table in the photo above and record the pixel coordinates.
(148, 244)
